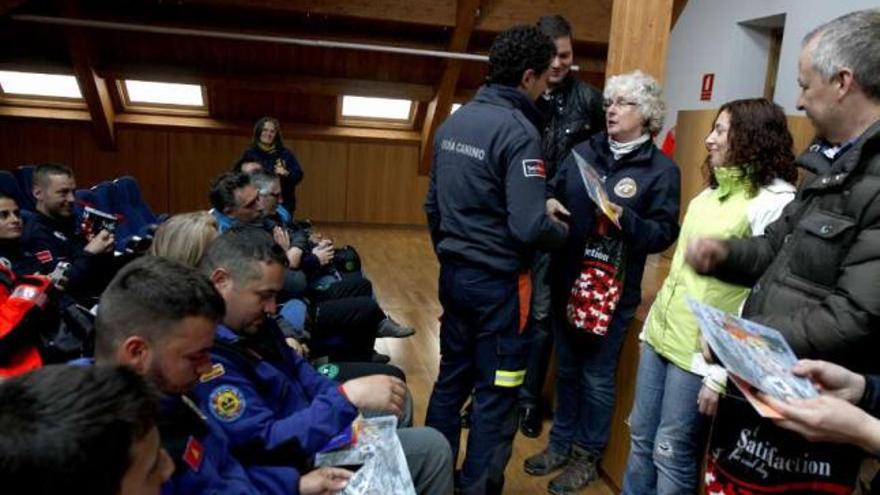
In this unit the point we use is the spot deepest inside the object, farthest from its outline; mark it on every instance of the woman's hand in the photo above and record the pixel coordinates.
(707, 401)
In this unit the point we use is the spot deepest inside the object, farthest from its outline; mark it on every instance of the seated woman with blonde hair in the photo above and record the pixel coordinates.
(185, 238)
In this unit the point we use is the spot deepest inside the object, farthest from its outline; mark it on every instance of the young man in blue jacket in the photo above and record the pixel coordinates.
(486, 213)
(274, 407)
(158, 318)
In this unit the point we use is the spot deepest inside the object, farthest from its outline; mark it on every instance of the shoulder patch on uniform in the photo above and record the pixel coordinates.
(216, 372)
(329, 370)
(193, 453)
(44, 256)
(626, 187)
(227, 403)
(534, 168)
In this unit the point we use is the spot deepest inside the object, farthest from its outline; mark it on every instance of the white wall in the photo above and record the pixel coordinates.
(709, 39)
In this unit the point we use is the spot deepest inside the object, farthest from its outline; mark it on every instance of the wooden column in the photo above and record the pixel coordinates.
(639, 38)
(441, 104)
(95, 90)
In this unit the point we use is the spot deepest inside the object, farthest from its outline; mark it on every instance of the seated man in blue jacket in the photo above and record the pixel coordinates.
(275, 408)
(158, 318)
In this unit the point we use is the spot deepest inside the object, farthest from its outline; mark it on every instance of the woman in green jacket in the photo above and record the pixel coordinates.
(750, 170)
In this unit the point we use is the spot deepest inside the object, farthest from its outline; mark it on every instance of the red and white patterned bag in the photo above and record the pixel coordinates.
(597, 290)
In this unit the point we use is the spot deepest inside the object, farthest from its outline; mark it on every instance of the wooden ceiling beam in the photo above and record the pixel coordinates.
(300, 131)
(95, 90)
(326, 86)
(441, 104)
(7, 6)
(591, 20)
(677, 8)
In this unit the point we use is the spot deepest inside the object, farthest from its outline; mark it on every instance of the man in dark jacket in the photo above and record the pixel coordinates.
(51, 235)
(572, 113)
(815, 271)
(486, 213)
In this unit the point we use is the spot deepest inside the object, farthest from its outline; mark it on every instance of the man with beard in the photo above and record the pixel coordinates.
(53, 238)
(158, 317)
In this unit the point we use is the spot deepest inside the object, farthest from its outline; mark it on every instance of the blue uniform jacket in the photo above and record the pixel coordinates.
(52, 241)
(213, 470)
(272, 404)
(485, 203)
(203, 463)
(645, 183)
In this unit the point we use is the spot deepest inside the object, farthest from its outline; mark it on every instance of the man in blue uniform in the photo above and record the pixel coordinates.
(274, 407)
(51, 235)
(158, 318)
(486, 212)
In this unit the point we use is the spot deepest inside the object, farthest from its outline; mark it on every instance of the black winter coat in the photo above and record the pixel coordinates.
(650, 217)
(816, 271)
(572, 113)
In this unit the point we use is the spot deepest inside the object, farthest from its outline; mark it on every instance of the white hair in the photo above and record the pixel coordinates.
(644, 90)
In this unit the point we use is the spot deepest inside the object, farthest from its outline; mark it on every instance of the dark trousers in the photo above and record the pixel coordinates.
(349, 286)
(345, 329)
(481, 351)
(542, 334)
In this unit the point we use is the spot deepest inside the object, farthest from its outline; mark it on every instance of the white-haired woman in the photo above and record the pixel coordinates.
(644, 186)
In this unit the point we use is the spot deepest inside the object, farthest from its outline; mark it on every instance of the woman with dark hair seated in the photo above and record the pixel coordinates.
(11, 253)
(267, 149)
(749, 170)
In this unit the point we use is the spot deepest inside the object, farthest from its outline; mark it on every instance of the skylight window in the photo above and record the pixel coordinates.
(162, 93)
(37, 84)
(360, 108)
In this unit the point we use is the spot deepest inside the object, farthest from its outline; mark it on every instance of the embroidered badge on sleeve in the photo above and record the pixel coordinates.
(227, 403)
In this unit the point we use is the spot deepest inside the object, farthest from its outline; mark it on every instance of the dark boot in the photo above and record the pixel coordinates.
(579, 472)
(544, 463)
(530, 423)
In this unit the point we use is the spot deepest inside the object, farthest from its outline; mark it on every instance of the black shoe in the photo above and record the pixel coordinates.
(530, 423)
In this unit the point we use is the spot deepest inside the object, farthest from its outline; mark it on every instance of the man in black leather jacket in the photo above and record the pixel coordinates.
(572, 111)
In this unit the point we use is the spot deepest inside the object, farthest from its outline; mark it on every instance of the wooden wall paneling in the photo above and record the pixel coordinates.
(140, 153)
(691, 130)
(802, 131)
(383, 185)
(194, 160)
(32, 142)
(321, 196)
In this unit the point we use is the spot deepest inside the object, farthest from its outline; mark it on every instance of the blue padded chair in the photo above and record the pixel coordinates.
(25, 177)
(9, 186)
(132, 193)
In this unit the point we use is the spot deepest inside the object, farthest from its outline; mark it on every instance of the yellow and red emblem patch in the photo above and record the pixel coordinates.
(227, 403)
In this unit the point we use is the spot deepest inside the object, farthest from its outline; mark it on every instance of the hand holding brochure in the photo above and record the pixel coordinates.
(595, 186)
(378, 451)
(754, 355)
